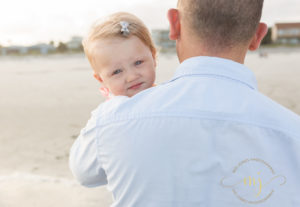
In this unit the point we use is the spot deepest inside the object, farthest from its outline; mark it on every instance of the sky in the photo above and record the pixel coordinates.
(26, 22)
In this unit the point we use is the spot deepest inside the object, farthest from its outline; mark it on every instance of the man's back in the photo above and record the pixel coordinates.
(205, 138)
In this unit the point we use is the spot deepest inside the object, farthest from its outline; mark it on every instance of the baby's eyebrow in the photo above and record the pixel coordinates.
(139, 58)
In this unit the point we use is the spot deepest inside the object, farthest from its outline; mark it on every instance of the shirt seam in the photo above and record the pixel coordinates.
(216, 77)
(147, 116)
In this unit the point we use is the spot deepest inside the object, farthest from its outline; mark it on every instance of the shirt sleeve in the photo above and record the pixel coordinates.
(84, 161)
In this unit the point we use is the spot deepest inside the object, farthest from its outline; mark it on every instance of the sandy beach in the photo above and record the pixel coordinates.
(46, 100)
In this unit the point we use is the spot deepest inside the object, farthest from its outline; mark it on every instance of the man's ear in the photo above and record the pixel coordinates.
(98, 77)
(173, 17)
(258, 37)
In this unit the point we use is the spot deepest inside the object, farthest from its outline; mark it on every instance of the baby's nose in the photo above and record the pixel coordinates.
(132, 75)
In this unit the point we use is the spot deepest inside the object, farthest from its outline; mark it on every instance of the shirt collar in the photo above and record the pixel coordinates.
(213, 66)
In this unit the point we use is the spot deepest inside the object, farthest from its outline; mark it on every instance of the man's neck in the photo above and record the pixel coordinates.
(189, 50)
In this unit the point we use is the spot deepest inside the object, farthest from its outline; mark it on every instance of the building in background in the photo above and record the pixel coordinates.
(22, 50)
(75, 44)
(162, 41)
(43, 49)
(13, 50)
(286, 33)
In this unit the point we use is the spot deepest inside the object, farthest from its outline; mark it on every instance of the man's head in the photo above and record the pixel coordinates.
(219, 25)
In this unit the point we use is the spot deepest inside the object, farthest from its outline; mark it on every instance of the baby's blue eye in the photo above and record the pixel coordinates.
(117, 71)
(138, 62)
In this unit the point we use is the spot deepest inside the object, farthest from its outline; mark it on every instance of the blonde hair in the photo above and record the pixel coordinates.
(110, 27)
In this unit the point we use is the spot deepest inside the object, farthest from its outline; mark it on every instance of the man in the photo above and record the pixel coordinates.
(205, 138)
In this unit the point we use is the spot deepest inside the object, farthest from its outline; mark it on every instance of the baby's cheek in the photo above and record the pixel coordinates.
(120, 89)
(153, 77)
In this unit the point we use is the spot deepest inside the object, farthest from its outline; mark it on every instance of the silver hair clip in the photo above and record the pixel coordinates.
(124, 30)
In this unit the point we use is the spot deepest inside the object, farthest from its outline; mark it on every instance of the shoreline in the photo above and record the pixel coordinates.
(267, 48)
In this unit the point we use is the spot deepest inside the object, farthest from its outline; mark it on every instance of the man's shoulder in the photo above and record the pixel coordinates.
(109, 108)
(277, 115)
(119, 107)
(164, 100)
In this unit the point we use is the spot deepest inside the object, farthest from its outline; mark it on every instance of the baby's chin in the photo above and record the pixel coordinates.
(127, 94)
(132, 92)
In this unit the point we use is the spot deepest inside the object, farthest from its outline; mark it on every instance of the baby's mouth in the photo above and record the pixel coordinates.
(136, 86)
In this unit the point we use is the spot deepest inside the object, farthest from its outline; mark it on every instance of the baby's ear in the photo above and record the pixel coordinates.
(98, 77)
(154, 52)
(154, 59)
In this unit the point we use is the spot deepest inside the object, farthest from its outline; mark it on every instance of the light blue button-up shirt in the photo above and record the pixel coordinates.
(206, 138)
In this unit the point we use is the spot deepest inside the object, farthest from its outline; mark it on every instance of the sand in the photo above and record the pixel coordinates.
(45, 101)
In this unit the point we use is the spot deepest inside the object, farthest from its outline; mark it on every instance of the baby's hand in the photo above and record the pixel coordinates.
(105, 92)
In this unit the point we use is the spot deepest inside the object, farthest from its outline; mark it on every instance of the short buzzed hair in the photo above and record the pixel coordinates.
(222, 23)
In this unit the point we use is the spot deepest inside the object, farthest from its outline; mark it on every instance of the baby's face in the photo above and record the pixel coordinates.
(124, 66)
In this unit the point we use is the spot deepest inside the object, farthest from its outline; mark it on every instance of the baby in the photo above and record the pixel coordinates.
(122, 55)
